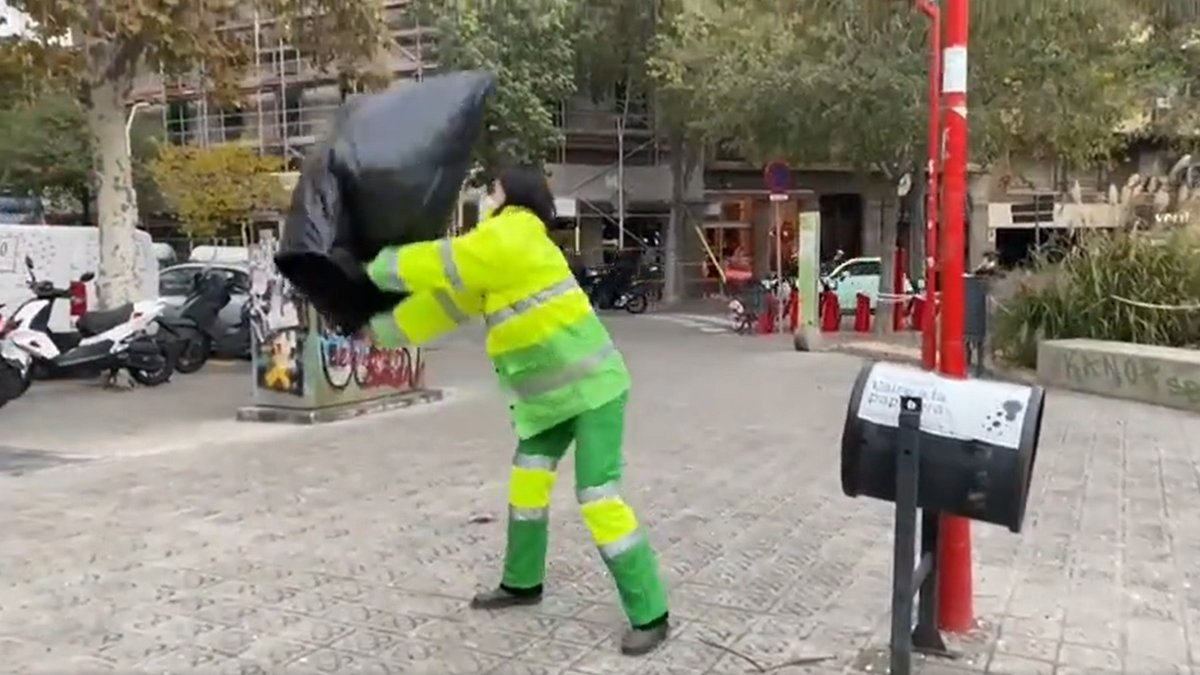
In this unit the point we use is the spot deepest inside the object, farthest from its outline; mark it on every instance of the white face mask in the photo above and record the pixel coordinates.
(486, 205)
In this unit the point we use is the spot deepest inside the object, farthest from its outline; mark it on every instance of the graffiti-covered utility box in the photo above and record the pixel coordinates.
(304, 372)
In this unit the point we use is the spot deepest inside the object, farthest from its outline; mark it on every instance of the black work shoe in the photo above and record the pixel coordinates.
(639, 641)
(503, 598)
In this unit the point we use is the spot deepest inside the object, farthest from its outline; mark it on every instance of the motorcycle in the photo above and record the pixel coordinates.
(195, 330)
(634, 300)
(108, 340)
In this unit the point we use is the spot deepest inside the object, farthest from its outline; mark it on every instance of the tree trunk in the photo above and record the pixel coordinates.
(677, 227)
(116, 204)
(85, 205)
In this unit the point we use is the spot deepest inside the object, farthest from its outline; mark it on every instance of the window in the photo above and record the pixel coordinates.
(241, 281)
(862, 268)
(176, 281)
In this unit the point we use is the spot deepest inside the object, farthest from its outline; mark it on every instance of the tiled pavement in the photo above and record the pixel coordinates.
(353, 548)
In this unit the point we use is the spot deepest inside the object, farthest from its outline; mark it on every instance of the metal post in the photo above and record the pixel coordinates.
(778, 217)
(926, 638)
(932, 168)
(621, 185)
(258, 74)
(955, 604)
(904, 541)
(281, 102)
(923, 580)
(133, 110)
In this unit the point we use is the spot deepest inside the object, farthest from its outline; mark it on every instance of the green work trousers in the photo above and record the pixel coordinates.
(622, 542)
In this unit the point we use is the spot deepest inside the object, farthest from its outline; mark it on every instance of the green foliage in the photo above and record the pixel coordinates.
(1077, 297)
(613, 45)
(845, 81)
(528, 44)
(45, 148)
(217, 190)
(679, 66)
(1054, 79)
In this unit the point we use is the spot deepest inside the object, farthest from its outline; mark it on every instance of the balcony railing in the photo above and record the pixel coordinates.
(602, 122)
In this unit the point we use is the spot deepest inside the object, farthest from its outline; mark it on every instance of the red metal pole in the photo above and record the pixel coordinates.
(933, 168)
(955, 611)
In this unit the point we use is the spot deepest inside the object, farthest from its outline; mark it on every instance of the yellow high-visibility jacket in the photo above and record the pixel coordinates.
(550, 350)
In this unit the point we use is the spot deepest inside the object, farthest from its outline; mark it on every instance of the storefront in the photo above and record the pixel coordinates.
(749, 235)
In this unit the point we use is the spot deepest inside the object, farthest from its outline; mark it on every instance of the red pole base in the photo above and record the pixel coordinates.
(862, 314)
(831, 313)
(956, 611)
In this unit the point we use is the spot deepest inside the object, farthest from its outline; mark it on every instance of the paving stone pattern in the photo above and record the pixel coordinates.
(353, 548)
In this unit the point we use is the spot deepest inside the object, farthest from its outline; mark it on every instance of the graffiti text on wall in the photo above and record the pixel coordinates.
(346, 359)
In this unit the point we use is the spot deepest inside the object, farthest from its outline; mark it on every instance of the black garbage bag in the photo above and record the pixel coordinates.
(389, 174)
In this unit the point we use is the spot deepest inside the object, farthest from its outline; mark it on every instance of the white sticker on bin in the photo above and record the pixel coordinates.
(983, 410)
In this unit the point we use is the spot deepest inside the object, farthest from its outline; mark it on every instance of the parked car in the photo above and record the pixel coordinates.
(15, 210)
(858, 275)
(177, 282)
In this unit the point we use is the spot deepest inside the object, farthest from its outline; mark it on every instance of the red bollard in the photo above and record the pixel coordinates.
(831, 312)
(794, 302)
(862, 314)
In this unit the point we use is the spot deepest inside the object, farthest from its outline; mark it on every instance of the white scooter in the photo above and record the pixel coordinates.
(120, 338)
(12, 366)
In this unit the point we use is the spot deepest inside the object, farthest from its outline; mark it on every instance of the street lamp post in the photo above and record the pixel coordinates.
(133, 109)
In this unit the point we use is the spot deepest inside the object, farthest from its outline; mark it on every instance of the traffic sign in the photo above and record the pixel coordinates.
(778, 178)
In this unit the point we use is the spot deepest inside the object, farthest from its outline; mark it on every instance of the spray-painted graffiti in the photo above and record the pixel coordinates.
(346, 359)
(280, 322)
(278, 319)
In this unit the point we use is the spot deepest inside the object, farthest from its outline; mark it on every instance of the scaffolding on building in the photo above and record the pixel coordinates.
(285, 104)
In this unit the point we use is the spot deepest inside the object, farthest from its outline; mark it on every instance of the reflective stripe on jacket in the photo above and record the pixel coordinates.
(425, 317)
(551, 352)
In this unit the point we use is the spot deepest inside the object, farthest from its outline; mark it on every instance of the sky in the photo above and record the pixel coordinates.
(14, 20)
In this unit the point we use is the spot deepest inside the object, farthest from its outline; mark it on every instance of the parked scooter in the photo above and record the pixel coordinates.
(12, 374)
(195, 328)
(109, 340)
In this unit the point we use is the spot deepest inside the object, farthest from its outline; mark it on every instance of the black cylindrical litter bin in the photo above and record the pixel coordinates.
(978, 442)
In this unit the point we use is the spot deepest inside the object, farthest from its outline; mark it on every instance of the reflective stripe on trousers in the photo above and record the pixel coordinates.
(530, 487)
(613, 525)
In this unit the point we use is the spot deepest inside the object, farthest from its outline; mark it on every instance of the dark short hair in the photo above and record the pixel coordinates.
(526, 187)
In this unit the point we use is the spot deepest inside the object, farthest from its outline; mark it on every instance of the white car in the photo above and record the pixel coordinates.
(858, 275)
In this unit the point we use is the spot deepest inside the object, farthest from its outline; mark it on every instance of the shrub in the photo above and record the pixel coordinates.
(1126, 286)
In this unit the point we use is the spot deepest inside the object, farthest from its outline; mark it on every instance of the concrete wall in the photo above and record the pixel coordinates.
(1159, 375)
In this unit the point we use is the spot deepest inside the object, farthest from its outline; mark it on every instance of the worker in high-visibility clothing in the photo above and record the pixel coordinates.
(567, 381)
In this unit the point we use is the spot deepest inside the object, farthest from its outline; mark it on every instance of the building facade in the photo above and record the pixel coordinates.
(612, 175)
